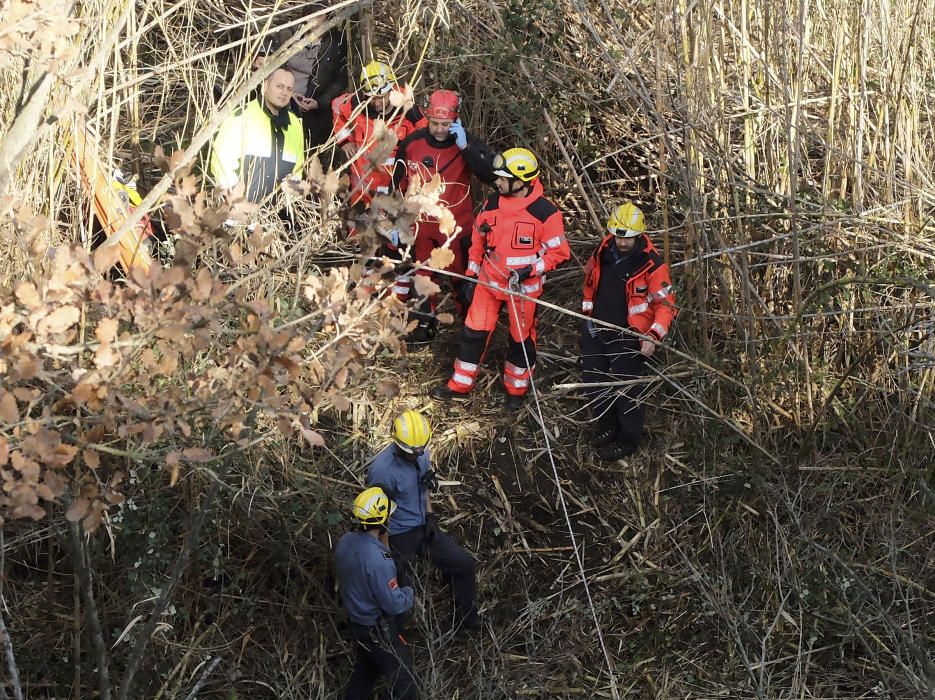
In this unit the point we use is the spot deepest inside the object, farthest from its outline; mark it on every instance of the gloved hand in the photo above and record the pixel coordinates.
(457, 130)
(517, 277)
(466, 293)
(431, 527)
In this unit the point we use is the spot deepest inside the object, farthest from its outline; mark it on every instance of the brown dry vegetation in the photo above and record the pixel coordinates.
(775, 537)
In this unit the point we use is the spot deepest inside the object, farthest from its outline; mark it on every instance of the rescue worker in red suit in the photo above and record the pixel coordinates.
(444, 148)
(626, 284)
(518, 237)
(355, 130)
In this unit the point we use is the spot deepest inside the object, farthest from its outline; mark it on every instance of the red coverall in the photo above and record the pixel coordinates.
(651, 303)
(420, 153)
(356, 124)
(509, 234)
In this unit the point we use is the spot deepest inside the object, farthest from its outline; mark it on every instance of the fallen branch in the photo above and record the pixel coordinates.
(622, 382)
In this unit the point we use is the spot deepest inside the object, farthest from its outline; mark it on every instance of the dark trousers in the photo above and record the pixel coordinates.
(381, 652)
(609, 356)
(456, 565)
(318, 125)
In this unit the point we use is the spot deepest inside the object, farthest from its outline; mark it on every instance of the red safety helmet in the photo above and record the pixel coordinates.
(442, 104)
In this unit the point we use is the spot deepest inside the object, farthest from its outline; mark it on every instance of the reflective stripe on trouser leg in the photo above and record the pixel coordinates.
(522, 344)
(515, 377)
(473, 345)
(478, 327)
(401, 287)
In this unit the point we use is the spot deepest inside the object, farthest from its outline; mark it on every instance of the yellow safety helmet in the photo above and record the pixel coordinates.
(377, 78)
(519, 163)
(626, 221)
(411, 431)
(373, 507)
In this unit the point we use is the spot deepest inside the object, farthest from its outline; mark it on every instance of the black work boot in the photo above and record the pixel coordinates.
(423, 334)
(466, 624)
(443, 392)
(513, 403)
(605, 435)
(616, 450)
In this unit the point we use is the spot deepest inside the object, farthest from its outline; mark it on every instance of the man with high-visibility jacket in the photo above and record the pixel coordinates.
(518, 237)
(261, 144)
(356, 131)
(443, 148)
(373, 599)
(626, 284)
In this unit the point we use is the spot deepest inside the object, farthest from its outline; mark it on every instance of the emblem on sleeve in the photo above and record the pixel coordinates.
(392, 584)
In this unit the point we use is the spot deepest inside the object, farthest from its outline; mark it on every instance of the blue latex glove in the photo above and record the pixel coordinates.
(392, 236)
(457, 130)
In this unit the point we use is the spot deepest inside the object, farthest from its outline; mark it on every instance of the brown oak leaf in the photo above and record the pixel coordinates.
(27, 295)
(441, 258)
(106, 331)
(59, 320)
(9, 411)
(77, 510)
(105, 257)
(425, 287)
(314, 438)
(196, 454)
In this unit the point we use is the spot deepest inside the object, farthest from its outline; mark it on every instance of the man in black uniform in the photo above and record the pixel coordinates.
(373, 599)
(320, 76)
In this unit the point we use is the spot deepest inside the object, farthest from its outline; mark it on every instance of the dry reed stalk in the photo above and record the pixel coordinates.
(788, 147)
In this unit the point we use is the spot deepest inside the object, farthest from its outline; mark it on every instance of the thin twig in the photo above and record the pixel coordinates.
(202, 679)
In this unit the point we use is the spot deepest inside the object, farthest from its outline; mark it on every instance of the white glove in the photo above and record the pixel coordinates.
(457, 130)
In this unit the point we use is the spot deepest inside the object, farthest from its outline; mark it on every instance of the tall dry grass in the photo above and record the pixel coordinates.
(773, 541)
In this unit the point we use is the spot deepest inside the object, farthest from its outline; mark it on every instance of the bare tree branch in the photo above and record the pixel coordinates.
(10, 661)
(203, 678)
(181, 563)
(78, 550)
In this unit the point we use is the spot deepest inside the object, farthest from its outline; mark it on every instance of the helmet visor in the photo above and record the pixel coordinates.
(377, 87)
(499, 167)
(418, 451)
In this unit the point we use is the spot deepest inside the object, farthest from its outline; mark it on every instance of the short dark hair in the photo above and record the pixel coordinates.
(282, 68)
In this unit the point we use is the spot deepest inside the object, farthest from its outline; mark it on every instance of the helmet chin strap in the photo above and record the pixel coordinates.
(405, 454)
(513, 190)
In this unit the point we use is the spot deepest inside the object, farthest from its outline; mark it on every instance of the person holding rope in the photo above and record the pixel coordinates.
(373, 599)
(518, 237)
(626, 283)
